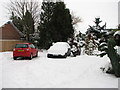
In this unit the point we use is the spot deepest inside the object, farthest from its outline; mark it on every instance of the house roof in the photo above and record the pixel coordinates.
(10, 31)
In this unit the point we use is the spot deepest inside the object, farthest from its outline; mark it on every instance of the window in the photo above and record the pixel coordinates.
(21, 46)
(32, 46)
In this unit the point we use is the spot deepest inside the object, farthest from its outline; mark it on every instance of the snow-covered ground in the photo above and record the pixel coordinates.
(42, 72)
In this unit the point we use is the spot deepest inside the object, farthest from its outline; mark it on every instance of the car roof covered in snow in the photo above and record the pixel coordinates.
(60, 45)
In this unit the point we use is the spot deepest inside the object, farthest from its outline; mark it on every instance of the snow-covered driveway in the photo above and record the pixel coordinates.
(42, 72)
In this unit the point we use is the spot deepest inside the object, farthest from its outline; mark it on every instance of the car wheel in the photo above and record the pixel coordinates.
(69, 52)
(36, 54)
(30, 58)
(49, 56)
(14, 58)
(65, 56)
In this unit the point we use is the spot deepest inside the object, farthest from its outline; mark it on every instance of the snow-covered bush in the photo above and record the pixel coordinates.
(117, 38)
(110, 46)
(107, 68)
(103, 44)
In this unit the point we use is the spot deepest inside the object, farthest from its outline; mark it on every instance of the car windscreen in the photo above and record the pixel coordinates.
(21, 46)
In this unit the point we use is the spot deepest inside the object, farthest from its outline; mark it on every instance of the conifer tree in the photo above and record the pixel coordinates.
(61, 23)
(44, 25)
(55, 23)
(28, 25)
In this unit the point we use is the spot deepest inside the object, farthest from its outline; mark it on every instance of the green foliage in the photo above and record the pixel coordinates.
(103, 54)
(103, 48)
(55, 23)
(107, 48)
(61, 23)
(17, 21)
(45, 27)
(28, 24)
(24, 24)
(104, 51)
(114, 57)
(97, 29)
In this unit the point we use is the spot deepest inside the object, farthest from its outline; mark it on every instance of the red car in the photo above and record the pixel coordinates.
(25, 50)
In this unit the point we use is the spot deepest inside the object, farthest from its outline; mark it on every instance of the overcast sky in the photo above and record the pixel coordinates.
(87, 10)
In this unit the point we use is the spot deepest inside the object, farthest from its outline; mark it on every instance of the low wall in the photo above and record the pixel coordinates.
(8, 45)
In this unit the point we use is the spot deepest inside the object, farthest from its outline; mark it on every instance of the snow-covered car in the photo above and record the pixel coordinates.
(59, 49)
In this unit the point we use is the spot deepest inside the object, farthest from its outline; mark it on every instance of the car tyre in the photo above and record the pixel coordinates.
(30, 58)
(48, 55)
(36, 54)
(65, 56)
(14, 58)
(69, 52)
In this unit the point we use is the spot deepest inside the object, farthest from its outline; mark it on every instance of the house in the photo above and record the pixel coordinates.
(9, 36)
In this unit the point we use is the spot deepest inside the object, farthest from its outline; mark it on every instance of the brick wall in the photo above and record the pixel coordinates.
(9, 32)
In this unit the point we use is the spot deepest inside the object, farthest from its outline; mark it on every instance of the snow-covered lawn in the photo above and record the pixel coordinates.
(42, 72)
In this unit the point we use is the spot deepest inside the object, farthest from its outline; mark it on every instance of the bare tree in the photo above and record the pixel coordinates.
(76, 19)
(19, 8)
(25, 14)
